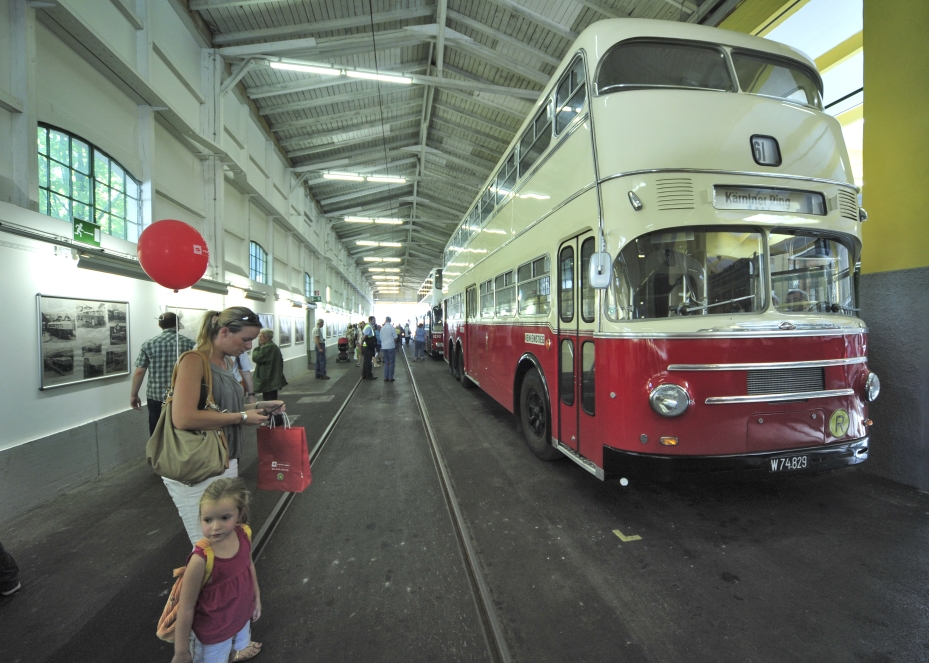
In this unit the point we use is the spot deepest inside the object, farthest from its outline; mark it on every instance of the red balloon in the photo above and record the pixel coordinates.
(173, 254)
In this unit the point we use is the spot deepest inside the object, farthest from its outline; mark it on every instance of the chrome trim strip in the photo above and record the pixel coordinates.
(745, 173)
(768, 365)
(779, 398)
(580, 460)
(730, 334)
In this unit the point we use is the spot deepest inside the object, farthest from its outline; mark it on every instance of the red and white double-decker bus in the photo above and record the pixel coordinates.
(660, 276)
(431, 293)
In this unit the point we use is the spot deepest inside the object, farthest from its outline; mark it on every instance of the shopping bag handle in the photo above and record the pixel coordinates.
(285, 417)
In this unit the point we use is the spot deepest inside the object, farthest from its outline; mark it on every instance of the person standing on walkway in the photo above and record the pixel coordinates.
(420, 343)
(388, 348)
(406, 332)
(242, 370)
(359, 342)
(9, 574)
(159, 353)
(369, 344)
(223, 336)
(269, 366)
(214, 618)
(319, 340)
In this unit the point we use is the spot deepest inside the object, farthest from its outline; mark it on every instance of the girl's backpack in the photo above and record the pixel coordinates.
(168, 619)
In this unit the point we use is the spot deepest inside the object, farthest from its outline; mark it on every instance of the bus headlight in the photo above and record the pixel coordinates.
(669, 400)
(872, 387)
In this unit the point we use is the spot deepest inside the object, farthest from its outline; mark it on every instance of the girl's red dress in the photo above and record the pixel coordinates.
(227, 601)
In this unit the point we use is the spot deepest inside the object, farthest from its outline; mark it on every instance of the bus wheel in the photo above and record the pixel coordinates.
(453, 364)
(462, 377)
(536, 417)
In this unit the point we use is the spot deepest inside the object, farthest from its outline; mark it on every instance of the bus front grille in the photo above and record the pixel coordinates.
(675, 193)
(848, 204)
(786, 381)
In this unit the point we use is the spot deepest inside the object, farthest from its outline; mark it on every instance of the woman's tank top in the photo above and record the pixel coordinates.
(229, 396)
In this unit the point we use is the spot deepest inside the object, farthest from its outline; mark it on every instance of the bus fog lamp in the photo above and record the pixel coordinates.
(669, 400)
(872, 387)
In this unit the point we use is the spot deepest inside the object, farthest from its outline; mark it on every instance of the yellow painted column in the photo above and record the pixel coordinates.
(896, 135)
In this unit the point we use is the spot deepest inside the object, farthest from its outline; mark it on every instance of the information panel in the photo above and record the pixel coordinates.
(768, 200)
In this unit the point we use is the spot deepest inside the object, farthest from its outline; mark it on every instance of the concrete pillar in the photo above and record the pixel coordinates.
(25, 160)
(895, 261)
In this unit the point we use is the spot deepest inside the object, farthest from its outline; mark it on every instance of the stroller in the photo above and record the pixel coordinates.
(343, 349)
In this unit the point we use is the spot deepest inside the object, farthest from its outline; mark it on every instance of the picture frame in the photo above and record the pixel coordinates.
(299, 331)
(267, 320)
(81, 340)
(283, 335)
(190, 320)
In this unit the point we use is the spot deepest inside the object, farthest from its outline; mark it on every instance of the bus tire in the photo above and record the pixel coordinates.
(462, 377)
(535, 414)
(453, 363)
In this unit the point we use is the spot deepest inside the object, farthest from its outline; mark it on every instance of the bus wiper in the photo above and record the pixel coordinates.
(686, 309)
(835, 308)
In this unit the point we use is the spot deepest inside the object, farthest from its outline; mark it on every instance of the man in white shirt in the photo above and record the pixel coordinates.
(388, 349)
(319, 340)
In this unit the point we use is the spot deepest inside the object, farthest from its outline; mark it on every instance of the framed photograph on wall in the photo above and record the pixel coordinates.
(267, 320)
(283, 337)
(81, 340)
(190, 320)
(299, 331)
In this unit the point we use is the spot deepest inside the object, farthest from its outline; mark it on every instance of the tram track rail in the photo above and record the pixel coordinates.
(491, 626)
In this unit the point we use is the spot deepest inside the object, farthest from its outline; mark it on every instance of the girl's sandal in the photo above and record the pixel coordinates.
(253, 649)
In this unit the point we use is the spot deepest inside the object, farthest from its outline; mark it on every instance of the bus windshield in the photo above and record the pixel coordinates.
(646, 63)
(761, 74)
(692, 271)
(811, 273)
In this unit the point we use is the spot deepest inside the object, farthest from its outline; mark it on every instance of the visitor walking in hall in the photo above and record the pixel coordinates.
(369, 344)
(269, 366)
(223, 336)
(319, 342)
(388, 348)
(420, 343)
(159, 353)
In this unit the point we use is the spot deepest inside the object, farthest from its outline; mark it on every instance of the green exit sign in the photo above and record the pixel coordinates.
(315, 298)
(86, 233)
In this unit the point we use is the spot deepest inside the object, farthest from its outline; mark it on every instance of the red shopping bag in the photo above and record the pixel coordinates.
(283, 459)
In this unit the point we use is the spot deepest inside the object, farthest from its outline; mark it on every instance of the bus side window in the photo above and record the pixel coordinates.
(487, 299)
(471, 298)
(537, 138)
(588, 293)
(570, 95)
(566, 284)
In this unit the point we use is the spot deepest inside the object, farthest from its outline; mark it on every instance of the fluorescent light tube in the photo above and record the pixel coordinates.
(386, 179)
(343, 176)
(371, 76)
(307, 69)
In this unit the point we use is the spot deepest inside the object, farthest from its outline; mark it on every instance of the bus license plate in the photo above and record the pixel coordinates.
(788, 463)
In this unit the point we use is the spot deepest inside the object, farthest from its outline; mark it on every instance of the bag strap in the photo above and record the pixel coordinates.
(207, 549)
(207, 376)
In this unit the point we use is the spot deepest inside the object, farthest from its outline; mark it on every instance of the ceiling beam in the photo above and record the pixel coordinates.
(479, 134)
(603, 9)
(348, 115)
(499, 61)
(330, 100)
(349, 129)
(328, 147)
(508, 128)
(323, 26)
(201, 5)
(315, 83)
(361, 193)
(438, 206)
(302, 45)
(454, 84)
(537, 18)
(503, 37)
(492, 105)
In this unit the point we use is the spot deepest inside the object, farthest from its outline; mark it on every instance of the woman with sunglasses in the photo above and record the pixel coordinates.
(224, 335)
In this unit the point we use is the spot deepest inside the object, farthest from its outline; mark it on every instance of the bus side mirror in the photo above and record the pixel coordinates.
(601, 270)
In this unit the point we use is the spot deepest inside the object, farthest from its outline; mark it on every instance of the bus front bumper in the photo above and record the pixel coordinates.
(626, 464)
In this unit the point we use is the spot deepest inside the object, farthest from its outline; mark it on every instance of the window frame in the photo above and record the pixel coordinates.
(257, 259)
(572, 92)
(131, 227)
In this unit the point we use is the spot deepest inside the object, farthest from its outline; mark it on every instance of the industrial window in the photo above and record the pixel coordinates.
(78, 182)
(307, 285)
(487, 299)
(535, 288)
(257, 263)
(570, 95)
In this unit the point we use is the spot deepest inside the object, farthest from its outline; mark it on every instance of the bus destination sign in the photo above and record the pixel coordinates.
(768, 200)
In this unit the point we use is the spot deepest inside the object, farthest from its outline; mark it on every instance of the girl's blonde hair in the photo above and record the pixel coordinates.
(234, 318)
(233, 489)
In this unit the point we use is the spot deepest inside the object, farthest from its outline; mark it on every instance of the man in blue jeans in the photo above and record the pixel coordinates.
(319, 339)
(388, 349)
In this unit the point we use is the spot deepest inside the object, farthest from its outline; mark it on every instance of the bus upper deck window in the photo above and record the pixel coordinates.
(769, 76)
(655, 63)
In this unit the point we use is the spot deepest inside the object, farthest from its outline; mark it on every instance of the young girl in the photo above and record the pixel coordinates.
(214, 621)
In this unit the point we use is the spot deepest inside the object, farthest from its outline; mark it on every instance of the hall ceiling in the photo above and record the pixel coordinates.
(477, 66)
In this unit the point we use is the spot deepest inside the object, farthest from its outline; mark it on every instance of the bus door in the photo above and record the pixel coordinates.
(576, 326)
(470, 342)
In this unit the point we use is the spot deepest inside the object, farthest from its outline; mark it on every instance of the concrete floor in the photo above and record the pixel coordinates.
(365, 566)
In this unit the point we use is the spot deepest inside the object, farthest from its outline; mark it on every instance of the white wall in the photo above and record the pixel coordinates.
(87, 70)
